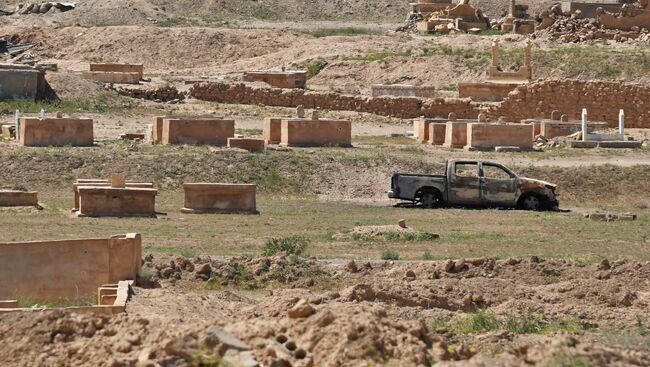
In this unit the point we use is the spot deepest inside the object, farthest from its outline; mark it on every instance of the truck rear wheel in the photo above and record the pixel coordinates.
(430, 200)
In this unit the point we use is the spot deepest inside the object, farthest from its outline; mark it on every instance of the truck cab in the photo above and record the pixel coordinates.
(474, 183)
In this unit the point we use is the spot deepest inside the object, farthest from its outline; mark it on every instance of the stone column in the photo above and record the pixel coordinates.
(621, 123)
(512, 8)
(495, 54)
(17, 126)
(584, 124)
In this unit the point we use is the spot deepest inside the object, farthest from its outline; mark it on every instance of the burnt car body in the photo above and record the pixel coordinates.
(474, 183)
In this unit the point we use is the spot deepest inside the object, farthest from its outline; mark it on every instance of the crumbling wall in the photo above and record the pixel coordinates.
(487, 91)
(400, 107)
(68, 269)
(403, 90)
(278, 79)
(602, 99)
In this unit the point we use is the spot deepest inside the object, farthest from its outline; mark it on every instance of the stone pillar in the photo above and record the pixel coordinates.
(621, 123)
(527, 60)
(495, 54)
(17, 125)
(512, 8)
(584, 124)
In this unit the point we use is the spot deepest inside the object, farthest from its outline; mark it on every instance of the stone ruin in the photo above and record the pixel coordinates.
(457, 17)
(114, 197)
(115, 73)
(603, 140)
(279, 79)
(14, 198)
(518, 21)
(426, 7)
(70, 270)
(195, 131)
(403, 90)
(307, 132)
(201, 198)
(22, 82)
(631, 17)
(500, 83)
(55, 131)
(559, 125)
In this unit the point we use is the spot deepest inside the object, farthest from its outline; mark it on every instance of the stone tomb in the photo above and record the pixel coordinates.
(272, 130)
(456, 133)
(9, 198)
(487, 136)
(194, 131)
(114, 198)
(67, 270)
(315, 132)
(279, 79)
(249, 144)
(430, 130)
(115, 73)
(21, 82)
(203, 198)
(550, 128)
(35, 132)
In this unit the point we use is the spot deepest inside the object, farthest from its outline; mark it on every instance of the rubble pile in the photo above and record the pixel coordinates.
(163, 94)
(43, 8)
(573, 28)
(411, 23)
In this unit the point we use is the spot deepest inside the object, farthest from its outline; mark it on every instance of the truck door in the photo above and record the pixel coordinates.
(464, 184)
(498, 186)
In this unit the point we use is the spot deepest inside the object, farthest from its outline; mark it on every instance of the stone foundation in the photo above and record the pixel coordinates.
(486, 136)
(35, 132)
(272, 130)
(456, 134)
(197, 131)
(252, 145)
(67, 270)
(401, 90)
(119, 68)
(279, 79)
(400, 107)
(18, 198)
(219, 198)
(486, 92)
(314, 133)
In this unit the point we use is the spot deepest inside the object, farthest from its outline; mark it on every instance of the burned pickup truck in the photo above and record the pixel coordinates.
(474, 183)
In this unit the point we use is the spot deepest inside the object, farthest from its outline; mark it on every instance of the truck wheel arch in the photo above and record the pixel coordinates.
(430, 190)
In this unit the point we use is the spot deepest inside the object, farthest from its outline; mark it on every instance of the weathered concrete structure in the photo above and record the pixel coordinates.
(115, 73)
(18, 198)
(518, 20)
(272, 130)
(35, 132)
(219, 198)
(456, 134)
(463, 16)
(523, 75)
(316, 132)
(197, 131)
(487, 136)
(279, 79)
(252, 145)
(101, 198)
(21, 82)
(67, 270)
(403, 90)
(430, 130)
(437, 132)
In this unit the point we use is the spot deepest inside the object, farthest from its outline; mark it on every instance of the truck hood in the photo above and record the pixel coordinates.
(531, 182)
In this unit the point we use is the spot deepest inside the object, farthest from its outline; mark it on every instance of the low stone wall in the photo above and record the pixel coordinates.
(68, 269)
(602, 99)
(551, 129)
(402, 90)
(18, 198)
(197, 131)
(400, 107)
(484, 136)
(252, 145)
(486, 92)
(278, 79)
(219, 198)
(119, 68)
(314, 133)
(56, 132)
(112, 78)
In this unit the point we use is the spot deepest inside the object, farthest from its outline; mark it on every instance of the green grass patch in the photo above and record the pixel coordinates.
(292, 245)
(389, 255)
(379, 55)
(104, 102)
(348, 31)
(249, 132)
(484, 321)
(26, 302)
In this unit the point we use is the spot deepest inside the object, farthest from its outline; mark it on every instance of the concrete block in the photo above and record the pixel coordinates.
(103, 183)
(272, 130)
(403, 90)
(18, 198)
(8, 131)
(278, 79)
(156, 129)
(456, 134)
(96, 201)
(67, 269)
(197, 131)
(219, 198)
(437, 133)
(252, 145)
(27, 84)
(56, 132)
(483, 136)
(313, 133)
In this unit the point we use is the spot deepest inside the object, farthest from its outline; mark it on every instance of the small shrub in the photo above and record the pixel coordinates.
(315, 67)
(389, 255)
(426, 256)
(292, 245)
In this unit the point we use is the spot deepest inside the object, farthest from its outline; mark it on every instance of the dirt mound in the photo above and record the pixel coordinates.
(387, 232)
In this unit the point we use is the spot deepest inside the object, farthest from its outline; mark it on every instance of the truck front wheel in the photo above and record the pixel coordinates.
(531, 202)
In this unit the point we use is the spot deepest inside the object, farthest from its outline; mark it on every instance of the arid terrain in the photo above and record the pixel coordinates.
(324, 275)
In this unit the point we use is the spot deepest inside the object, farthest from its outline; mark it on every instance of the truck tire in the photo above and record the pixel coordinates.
(430, 200)
(532, 202)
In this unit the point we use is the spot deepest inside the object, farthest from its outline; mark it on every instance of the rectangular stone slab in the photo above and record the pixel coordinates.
(197, 131)
(18, 198)
(219, 198)
(35, 132)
